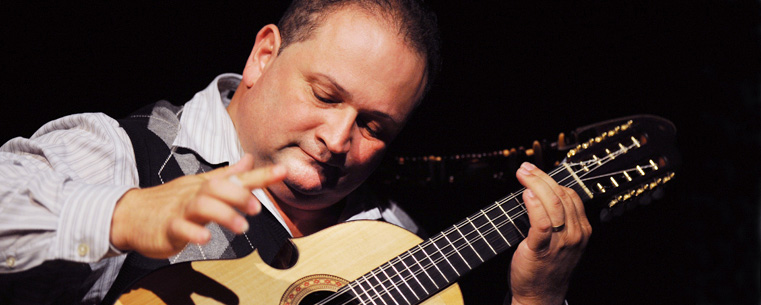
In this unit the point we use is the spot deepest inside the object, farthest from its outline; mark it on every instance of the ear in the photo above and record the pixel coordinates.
(265, 51)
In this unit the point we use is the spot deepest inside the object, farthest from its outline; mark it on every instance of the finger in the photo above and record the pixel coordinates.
(206, 209)
(554, 185)
(581, 216)
(182, 231)
(540, 234)
(547, 193)
(232, 192)
(262, 177)
(573, 227)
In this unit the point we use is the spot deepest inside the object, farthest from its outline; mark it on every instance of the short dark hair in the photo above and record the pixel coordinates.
(416, 23)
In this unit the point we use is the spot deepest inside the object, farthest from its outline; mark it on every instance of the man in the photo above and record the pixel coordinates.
(320, 98)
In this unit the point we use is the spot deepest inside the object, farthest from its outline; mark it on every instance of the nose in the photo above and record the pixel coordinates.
(336, 132)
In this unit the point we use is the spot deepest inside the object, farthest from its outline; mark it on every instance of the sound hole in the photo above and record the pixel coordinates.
(317, 296)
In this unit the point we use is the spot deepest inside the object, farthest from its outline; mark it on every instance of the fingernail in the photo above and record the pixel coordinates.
(205, 236)
(242, 225)
(526, 168)
(254, 206)
(234, 179)
(530, 194)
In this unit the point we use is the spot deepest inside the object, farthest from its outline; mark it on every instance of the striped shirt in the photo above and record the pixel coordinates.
(58, 188)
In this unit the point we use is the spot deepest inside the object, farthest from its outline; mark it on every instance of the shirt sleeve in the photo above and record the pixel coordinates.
(58, 190)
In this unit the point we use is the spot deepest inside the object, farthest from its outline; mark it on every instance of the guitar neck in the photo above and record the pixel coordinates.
(441, 260)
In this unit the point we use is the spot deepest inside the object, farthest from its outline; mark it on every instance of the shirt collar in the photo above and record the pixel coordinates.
(206, 128)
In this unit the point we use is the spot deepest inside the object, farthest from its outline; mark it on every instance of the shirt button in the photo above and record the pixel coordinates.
(82, 249)
(11, 261)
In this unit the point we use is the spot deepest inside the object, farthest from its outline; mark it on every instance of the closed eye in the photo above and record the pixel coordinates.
(327, 100)
(367, 126)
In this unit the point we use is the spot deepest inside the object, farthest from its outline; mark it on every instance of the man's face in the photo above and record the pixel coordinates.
(327, 107)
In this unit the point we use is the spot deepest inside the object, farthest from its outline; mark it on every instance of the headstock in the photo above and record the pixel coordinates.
(625, 161)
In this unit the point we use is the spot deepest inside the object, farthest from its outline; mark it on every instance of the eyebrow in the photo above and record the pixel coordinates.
(334, 83)
(384, 116)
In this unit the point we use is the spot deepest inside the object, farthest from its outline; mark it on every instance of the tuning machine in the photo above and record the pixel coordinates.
(641, 195)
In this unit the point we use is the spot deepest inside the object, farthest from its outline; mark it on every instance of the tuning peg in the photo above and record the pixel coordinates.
(562, 144)
(536, 147)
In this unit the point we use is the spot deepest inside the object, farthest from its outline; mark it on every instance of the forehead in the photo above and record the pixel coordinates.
(367, 57)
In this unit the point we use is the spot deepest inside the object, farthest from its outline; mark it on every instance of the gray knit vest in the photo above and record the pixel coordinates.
(152, 131)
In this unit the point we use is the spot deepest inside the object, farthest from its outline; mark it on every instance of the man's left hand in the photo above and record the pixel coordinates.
(541, 268)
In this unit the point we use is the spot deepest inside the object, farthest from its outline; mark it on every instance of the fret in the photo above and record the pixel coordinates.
(510, 218)
(446, 259)
(495, 228)
(358, 295)
(457, 251)
(424, 269)
(519, 203)
(468, 242)
(384, 284)
(521, 221)
(409, 269)
(434, 265)
(404, 280)
(482, 236)
(364, 291)
(372, 287)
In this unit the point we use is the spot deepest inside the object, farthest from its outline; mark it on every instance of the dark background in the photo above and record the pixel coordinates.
(513, 72)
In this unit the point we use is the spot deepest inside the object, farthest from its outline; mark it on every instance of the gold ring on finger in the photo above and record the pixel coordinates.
(558, 228)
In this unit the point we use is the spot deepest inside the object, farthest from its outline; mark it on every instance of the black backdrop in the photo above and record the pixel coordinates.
(513, 72)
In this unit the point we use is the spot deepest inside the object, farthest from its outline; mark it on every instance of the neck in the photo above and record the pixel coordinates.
(303, 222)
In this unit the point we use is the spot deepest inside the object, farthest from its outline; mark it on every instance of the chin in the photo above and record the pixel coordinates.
(307, 181)
(302, 198)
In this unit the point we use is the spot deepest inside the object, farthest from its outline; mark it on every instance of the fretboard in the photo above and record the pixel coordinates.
(434, 264)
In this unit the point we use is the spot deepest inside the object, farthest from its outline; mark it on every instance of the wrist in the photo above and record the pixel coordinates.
(119, 222)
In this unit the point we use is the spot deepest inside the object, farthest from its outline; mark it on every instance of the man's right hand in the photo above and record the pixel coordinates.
(159, 221)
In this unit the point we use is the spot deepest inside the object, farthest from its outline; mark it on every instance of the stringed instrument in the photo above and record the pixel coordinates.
(372, 262)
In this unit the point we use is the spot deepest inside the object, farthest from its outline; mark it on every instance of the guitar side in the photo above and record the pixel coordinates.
(346, 251)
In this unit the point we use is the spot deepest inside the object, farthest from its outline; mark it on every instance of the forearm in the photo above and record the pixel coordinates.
(72, 226)
(58, 190)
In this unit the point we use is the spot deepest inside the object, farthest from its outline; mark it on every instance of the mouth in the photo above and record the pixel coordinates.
(314, 175)
(329, 172)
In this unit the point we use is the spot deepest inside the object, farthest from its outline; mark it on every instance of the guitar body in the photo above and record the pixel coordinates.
(327, 260)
